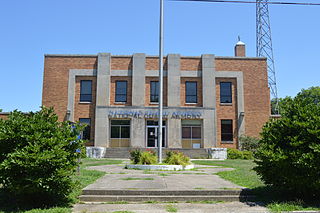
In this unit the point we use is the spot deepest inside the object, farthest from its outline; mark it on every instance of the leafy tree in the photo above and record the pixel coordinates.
(38, 156)
(288, 156)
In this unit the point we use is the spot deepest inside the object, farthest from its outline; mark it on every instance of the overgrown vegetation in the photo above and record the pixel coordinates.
(248, 143)
(237, 154)
(38, 157)
(289, 153)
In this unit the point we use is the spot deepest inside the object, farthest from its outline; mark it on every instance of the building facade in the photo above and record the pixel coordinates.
(209, 101)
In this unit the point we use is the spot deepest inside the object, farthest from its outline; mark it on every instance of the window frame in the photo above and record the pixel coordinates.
(86, 128)
(82, 95)
(191, 135)
(117, 95)
(228, 134)
(120, 127)
(229, 96)
(156, 90)
(186, 92)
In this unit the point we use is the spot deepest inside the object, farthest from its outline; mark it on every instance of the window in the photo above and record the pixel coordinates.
(226, 130)
(120, 129)
(121, 91)
(85, 91)
(225, 92)
(191, 92)
(85, 135)
(154, 91)
(191, 132)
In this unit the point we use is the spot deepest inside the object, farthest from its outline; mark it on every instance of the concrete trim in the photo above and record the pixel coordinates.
(155, 107)
(102, 99)
(154, 73)
(138, 79)
(121, 72)
(71, 88)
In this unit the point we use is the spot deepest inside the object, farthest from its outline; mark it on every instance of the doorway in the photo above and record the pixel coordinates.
(152, 134)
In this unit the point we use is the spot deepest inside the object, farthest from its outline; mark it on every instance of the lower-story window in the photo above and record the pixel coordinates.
(120, 133)
(226, 131)
(191, 134)
(85, 134)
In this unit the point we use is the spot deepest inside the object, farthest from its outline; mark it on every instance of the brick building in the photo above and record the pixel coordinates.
(209, 101)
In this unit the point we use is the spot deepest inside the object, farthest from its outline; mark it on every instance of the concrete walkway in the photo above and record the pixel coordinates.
(202, 178)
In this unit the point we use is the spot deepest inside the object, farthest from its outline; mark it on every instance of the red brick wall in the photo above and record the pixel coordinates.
(55, 80)
(256, 91)
(3, 116)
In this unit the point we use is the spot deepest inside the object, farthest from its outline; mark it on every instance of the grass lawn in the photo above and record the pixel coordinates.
(85, 178)
(243, 175)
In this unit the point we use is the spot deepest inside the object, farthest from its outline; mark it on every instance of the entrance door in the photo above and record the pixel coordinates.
(152, 135)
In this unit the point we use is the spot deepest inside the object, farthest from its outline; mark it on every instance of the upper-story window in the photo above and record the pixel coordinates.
(85, 134)
(85, 91)
(121, 91)
(154, 91)
(191, 92)
(225, 92)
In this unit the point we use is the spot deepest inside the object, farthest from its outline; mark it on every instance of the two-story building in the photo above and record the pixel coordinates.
(209, 101)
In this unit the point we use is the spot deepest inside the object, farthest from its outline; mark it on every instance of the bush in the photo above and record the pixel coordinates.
(176, 158)
(38, 156)
(248, 143)
(148, 157)
(237, 154)
(135, 156)
(289, 153)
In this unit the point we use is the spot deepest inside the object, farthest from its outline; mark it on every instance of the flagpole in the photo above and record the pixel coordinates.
(160, 84)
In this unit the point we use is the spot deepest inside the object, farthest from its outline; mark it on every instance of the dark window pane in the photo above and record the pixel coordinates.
(86, 131)
(115, 131)
(121, 91)
(191, 92)
(154, 91)
(86, 90)
(225, 92)
(120, 122)
(186, 132)
(155, 123)
(125, 131)
(196, 132)
(226, 130)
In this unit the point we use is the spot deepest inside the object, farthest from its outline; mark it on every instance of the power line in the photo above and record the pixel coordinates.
(254, 2)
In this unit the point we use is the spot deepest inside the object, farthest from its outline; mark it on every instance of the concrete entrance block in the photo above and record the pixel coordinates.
(218, 153)
(95, 152)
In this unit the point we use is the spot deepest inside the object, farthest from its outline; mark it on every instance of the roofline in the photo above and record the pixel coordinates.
(150, 56)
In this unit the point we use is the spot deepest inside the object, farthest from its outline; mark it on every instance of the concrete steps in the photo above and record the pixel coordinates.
(164, 196)
(125, 152)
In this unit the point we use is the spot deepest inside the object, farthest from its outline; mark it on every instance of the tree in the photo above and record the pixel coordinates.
(289, 153)
(38, 155)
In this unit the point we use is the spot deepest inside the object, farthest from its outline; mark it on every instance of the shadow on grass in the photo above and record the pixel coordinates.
(279, 199)
(10, 202)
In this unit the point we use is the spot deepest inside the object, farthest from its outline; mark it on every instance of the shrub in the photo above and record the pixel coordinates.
(237, 154)
(148, 157)
(135, 156)
(289, 153)
(38, 156)
(248, 143)
(176, 158)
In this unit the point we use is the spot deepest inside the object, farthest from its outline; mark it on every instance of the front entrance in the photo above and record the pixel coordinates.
(152, 135)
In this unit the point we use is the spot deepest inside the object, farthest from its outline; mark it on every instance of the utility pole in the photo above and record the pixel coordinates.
(160, 84)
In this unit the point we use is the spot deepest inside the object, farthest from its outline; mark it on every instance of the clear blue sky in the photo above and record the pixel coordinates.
(31, 28)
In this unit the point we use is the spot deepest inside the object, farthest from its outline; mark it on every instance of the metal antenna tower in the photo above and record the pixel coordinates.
(264, 45)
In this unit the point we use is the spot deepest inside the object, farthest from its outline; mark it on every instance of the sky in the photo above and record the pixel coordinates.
(31, 28)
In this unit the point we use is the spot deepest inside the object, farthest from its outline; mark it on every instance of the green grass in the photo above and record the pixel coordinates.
(171, 208)
(291, 206)
(132, 178)
(243, 175)
(97, 162)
